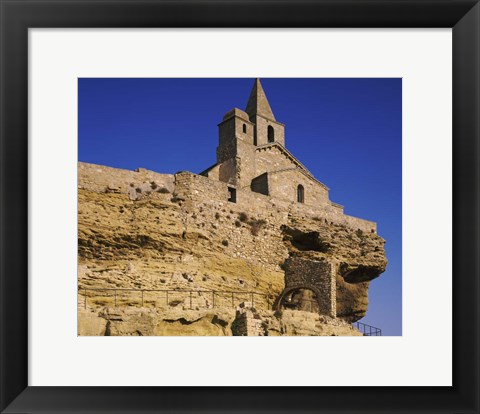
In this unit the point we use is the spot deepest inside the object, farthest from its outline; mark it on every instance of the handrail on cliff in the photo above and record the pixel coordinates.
(367, 330)
(230, 296)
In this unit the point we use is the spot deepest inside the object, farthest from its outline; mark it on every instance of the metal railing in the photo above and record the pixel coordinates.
(193, 299)
(367, 330)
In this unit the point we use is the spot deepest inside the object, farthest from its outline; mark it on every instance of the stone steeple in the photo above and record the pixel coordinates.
(258, 103)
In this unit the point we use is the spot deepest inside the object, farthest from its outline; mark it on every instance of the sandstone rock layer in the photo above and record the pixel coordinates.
(135, 231)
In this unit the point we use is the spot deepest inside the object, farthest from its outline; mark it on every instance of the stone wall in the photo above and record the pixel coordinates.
(261, 129)
(250, 228)
(283, 185)
(227, 171)
(235, 149)
(104, 179)
(260, 184)
(191, 186)
(271, 158)
(226, 140)
(319, 274)
(233, 125)
(332, 214)
(247, 321)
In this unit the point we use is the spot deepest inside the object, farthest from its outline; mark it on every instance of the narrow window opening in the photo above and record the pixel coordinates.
(271, 134)
(300, 194)
(244, 129)
(232, 195)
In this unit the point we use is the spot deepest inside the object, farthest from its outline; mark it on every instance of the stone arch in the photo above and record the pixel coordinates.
(270, 134)
(300, 193)
(280, 301)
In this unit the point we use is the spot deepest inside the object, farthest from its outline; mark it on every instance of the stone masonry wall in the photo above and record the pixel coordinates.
(227, 140)
(332, 214)
(202, 189)
(245, 161)
(250, 229)
(104, 179)
(284, 184)
(260, 184)
(247, 321)
(193, 187)
(235, 149)
(271, 159)
(262, 124)
(227, 172)
(320, 274)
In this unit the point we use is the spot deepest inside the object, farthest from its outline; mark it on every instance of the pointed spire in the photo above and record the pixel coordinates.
(258, 102)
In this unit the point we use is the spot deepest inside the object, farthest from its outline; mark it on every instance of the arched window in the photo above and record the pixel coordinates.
(271, 134)
(300, 194)
(244, 129)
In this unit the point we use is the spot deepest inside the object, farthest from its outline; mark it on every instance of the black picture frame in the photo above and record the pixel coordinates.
(17, 16)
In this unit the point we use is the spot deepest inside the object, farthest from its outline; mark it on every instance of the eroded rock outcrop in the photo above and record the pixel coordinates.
(218, 322)
(357, 257)
(137, 231)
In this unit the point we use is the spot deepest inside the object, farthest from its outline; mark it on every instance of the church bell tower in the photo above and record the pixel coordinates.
(241, 132)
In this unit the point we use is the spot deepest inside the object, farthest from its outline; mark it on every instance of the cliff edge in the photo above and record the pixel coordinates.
(143, 231)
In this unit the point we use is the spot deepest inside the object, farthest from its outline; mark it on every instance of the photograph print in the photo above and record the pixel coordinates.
(239, 207)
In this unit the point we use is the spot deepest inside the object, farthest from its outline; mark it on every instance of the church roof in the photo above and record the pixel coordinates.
(258, 102)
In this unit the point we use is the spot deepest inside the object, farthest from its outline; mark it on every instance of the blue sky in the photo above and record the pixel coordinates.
(347, 132)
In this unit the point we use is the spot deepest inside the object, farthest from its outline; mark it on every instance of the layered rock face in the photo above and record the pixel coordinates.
(209, 322)
(358, 257)
(137, 230)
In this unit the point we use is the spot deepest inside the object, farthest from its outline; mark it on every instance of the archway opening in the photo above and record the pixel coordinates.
(302, 299)
(271, 134)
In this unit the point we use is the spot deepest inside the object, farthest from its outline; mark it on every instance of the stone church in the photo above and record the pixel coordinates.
(251, 155)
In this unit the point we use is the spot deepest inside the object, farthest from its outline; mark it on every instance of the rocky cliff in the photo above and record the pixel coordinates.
(224, 321)
(137, 231)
